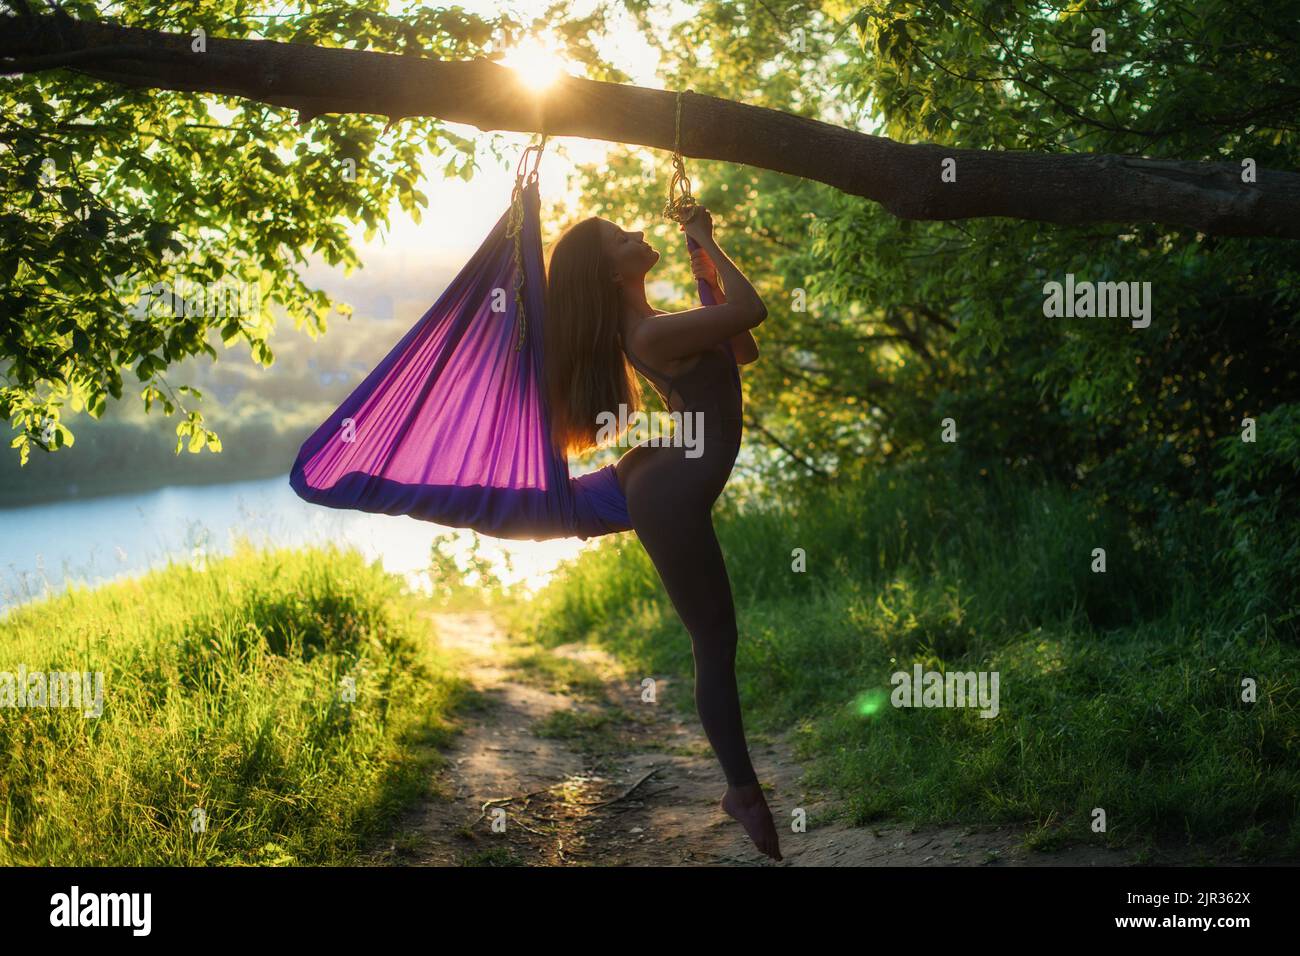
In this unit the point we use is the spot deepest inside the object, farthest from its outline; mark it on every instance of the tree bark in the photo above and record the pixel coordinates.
(906, 179)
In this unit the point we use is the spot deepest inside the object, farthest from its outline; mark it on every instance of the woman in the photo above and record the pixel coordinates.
(600, 327)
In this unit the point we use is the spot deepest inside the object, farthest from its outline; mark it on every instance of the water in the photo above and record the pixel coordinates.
(42, 547)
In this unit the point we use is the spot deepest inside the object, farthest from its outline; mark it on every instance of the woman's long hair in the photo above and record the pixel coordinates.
(586, 369)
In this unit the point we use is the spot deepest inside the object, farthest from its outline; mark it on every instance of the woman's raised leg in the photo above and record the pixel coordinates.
(679, 537)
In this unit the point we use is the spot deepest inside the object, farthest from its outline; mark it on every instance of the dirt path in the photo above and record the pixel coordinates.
(597, 777)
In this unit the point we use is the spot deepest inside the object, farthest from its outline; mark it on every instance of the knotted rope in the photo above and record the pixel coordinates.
(514, 228)
(681, 207)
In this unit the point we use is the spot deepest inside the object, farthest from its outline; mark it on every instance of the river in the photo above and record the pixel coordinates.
(43, 547)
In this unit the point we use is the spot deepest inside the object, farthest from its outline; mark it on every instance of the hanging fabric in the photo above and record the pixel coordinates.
(453, 425)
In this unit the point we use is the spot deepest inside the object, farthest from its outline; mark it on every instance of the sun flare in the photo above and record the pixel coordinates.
(538, 63)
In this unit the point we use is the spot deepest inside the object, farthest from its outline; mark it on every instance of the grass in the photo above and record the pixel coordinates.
(556, 674)
(567, 725)
(1121, 692)
(1125, 696)
(226, 734)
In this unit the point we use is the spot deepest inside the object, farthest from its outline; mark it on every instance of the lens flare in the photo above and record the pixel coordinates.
(538, 63)
(869, 703)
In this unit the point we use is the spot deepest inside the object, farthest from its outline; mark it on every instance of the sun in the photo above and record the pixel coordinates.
(538, 63)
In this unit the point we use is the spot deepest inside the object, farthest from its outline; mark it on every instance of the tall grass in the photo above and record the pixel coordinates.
(1119, 690)
(227, 734)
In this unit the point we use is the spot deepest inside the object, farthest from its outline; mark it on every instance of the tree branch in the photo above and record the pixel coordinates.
(905, 179)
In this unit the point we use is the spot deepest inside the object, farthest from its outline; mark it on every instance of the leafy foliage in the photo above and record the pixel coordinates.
(108, 192)
(881, 329)
(1259, 502)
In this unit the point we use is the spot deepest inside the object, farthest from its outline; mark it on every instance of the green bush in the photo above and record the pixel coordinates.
(1260, 505)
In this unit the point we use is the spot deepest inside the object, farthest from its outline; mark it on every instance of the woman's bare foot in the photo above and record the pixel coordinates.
(746, 804)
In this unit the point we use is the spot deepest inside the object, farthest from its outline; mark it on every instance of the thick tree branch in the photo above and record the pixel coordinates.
(905, 179)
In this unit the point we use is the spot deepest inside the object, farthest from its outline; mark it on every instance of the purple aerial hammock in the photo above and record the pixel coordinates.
(453, 426)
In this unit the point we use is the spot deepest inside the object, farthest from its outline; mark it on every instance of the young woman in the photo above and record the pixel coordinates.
(600, 327)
